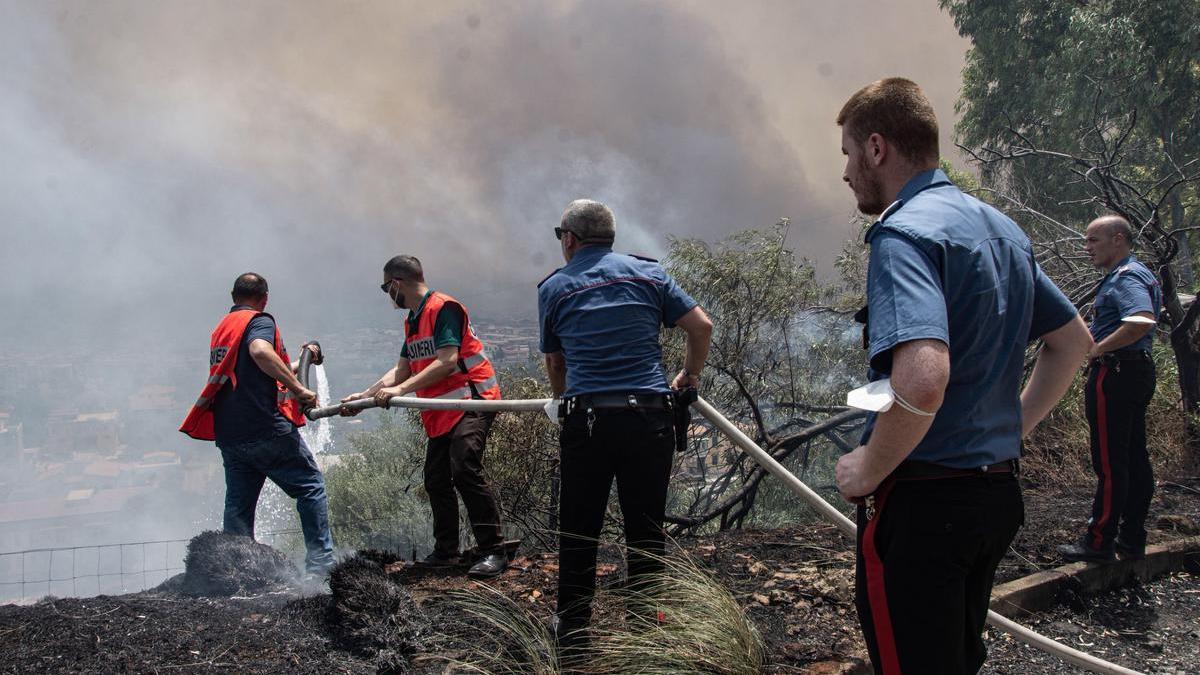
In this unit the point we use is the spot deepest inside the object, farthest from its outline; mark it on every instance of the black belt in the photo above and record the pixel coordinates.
(1131, 354)
(612, 402)
(916, 470)
(1122, 356)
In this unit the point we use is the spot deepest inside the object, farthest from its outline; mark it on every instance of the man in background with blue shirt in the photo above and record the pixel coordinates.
(953, 298)
(600, 318)
(1120, 384)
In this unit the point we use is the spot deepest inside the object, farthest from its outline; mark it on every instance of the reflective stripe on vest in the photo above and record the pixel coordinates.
(472, 361)
(465, 392)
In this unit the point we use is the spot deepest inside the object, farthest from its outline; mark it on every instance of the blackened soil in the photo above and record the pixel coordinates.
(221, 565)
(1151, 628)
(795, 584)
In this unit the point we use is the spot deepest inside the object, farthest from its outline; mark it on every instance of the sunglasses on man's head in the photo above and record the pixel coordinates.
(559, 232)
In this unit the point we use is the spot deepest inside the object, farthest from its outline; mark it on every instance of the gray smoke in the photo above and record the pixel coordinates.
(152, 151)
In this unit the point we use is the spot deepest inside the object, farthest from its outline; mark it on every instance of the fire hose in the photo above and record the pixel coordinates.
(764, 459)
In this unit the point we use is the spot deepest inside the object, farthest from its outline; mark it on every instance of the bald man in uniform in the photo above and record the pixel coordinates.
(1120, 384)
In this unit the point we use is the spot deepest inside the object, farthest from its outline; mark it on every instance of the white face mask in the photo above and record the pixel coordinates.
(398, 298)
(1139, 320)
(874, 397)
(879, 396)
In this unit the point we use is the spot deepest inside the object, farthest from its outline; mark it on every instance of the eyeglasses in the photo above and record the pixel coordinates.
(385, 286)
(559, 232)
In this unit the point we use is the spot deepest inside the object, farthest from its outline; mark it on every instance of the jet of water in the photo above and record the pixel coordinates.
(318, 436)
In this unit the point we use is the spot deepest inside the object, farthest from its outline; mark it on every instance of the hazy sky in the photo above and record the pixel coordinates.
(150, 152)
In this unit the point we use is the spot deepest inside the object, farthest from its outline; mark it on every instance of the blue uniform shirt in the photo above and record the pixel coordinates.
(945, 266)
(1128, 289)
(603, 311)
(251, 411)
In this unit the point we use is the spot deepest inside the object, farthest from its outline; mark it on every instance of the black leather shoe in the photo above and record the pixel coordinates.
(1079, 553)
(489, 565)
(1129, 551)
(438, 559)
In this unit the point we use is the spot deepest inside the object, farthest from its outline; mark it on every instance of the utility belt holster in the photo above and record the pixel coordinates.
(1113, 360)
(683, 415)
(675, 403)
(1110, 360)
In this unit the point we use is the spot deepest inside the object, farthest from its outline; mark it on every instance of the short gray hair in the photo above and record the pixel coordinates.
(590, 221)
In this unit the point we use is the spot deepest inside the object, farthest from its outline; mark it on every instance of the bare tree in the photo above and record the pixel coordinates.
(1140, 182)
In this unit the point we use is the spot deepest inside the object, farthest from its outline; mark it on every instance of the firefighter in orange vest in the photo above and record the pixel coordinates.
(442, 358)
(251, 407)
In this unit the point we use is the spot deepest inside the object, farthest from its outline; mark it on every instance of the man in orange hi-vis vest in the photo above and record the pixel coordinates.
(442, 358)
(251, 408)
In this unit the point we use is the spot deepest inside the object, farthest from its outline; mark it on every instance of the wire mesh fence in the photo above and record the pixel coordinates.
(112, 569)
(81, 571)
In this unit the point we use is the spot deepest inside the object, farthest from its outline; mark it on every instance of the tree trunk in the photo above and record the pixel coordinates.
(1187, 355)
(1187, 275)
(1187, 358)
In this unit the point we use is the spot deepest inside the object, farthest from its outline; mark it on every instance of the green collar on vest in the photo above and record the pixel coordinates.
(414, 315)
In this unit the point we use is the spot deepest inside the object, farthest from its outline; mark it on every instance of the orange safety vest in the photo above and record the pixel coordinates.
(474, 378)
(222, 358)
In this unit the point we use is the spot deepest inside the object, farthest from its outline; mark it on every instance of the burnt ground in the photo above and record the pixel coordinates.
(794, 583)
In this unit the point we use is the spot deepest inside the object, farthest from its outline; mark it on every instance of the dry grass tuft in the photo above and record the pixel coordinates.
(703, 630)
(508, 639)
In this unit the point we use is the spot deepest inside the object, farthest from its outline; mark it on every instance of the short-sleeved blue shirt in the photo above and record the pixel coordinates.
(1128, 289)
(249, 412)
(945, 266)
(603, 311)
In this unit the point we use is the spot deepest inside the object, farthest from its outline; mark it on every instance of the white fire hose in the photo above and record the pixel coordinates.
(764, 459)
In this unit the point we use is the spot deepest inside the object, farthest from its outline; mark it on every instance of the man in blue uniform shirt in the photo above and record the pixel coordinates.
(953, 297)
(600, 317)
(1120, 384)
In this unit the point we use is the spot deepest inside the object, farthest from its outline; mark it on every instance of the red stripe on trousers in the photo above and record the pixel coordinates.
(1105, 464)
(881, 618)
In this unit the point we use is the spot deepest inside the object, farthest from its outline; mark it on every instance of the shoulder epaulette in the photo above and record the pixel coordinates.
(547, 277)
(642, 257)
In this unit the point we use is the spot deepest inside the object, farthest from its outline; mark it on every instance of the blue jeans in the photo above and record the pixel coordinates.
(287, 461)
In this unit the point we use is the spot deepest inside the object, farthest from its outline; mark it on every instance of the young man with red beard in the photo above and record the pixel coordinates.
(954, 295)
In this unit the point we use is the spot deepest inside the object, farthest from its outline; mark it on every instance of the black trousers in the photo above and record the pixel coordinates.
(925, 564)
(636, 447)
(454, 461)
(1116, 400)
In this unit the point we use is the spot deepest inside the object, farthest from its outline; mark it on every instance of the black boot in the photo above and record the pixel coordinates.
(571, 640)
(1127, 551)
(1078, 552)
